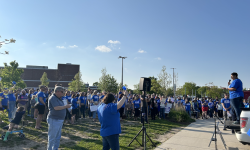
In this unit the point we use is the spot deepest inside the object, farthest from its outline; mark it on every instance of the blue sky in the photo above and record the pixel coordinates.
(206, 40)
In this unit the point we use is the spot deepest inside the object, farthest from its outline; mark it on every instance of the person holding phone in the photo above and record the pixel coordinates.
(109, 118)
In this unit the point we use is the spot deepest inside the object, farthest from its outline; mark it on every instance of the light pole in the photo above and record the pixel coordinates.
(122, 66)
(173, 82)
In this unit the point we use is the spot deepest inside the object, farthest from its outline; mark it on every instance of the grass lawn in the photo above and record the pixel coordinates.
(85, 135)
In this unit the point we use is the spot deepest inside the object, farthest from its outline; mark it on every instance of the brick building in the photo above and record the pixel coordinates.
(62, 75)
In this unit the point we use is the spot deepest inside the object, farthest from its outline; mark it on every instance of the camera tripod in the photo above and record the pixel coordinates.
(214, 138)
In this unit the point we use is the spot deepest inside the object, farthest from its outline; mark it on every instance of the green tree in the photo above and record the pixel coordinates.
(189, 86)
(155, 87)
(44, 79)
(169, 92)
(95, 84)
(136, 89)
(164, 79)
(11, 73)
(213, 91)
(77, 83)
(107, 82)
(152, 78)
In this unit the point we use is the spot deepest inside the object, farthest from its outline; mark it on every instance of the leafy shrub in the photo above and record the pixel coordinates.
(179, 114)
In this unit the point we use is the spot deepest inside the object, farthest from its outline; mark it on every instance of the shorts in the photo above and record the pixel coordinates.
(41, 109)
(74, 111)
(5, 107)
(204, 108)
(36, 105)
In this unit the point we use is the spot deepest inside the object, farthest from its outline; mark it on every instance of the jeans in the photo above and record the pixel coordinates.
(12, 105)
(82, 109)
(236, 103)
(94, 114)
(54, 133)
(111, 141)
(189, 112)
(162, 113)
(32, 111)
(211, 110)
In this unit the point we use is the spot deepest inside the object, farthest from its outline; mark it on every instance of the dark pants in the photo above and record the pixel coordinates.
(145, 114)
(220, 113)
(153, 113)
(111, 141)
(211, 110)
(68, 115)
(121, 110)
(236, 103)
(82, 109)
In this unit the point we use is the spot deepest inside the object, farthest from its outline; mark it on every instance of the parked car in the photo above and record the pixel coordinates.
(244, 127)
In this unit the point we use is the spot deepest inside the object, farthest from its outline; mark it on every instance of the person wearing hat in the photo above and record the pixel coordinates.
(41, 107)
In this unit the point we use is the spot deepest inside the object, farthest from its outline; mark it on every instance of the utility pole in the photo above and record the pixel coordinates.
(173, 82)
(122, 67)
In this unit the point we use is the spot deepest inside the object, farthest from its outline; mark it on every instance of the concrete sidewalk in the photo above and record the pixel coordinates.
(197, 136)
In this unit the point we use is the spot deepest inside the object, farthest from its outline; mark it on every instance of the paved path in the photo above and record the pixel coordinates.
(197, 136)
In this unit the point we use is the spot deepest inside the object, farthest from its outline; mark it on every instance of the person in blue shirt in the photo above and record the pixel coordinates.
(236, 95)
(41, 107)
(94, 101)
(199, 105)
(121, 110)
(225, 102)
(188, 107)
(67, 97)
(195, 106)
(74, 103)
(109, 119)
(204, 106)
(210, 108)
(136, 106)
(83, 102)
(158, 101)
(246, 104)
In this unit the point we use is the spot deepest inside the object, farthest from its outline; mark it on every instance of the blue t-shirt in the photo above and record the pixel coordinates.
(210, 104)
(226, 103)
(74, 103)
(137, 103)
(43, 96)
(95, 98)
(83, 99)
(109, 118)
(188, 106)
(199, 103)
(35, 93)
(237, 84)
(68, 98)
(101, 97)
(12, 97)
(123, 104)
(5, 99)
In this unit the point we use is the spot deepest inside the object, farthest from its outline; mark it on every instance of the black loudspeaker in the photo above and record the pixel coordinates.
(145, 84)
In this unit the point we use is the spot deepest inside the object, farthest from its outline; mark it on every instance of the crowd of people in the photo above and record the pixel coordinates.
(60, 106)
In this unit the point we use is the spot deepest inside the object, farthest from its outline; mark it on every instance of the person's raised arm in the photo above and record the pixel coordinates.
(122, 101)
